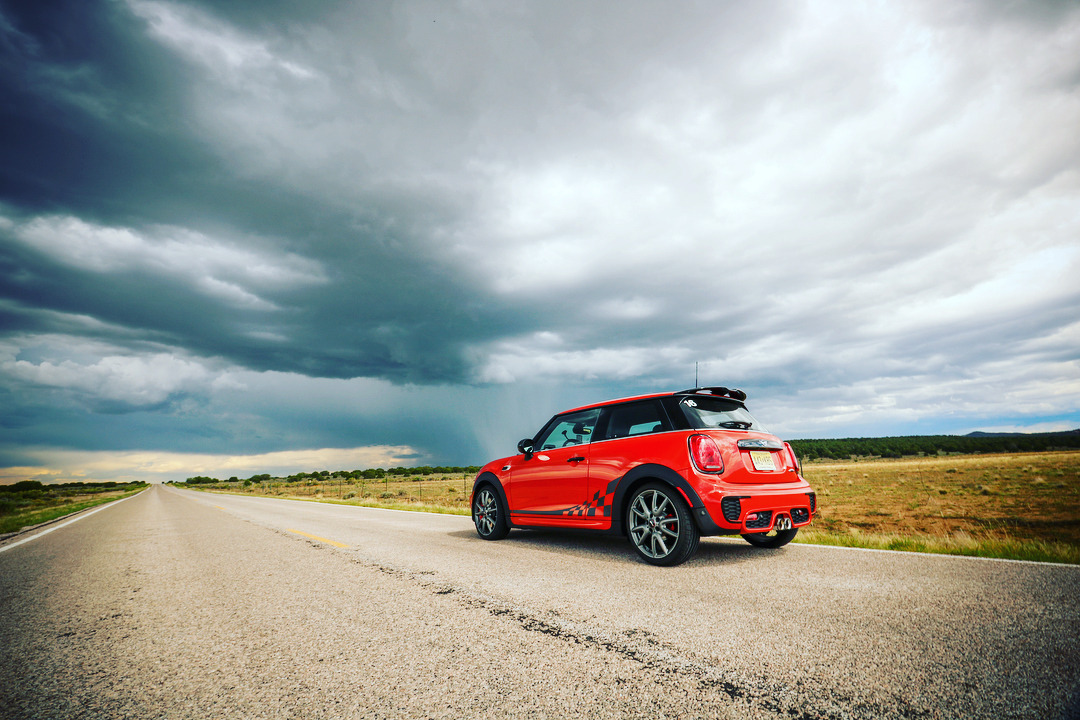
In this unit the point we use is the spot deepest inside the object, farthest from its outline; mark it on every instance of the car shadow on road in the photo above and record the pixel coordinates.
(616, 549)
(730, 549)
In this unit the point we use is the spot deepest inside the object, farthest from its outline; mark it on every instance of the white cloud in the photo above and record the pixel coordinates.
(227, 271)
(864, 140)
(540, 358)
(626, 308)
(926, 402)
(202, 39)
(133, 381)
(58, 465)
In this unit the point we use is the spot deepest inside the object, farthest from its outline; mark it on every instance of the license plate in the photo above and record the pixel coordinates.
(763, 460)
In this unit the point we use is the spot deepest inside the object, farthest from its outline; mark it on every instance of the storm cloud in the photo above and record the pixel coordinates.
(250, 228)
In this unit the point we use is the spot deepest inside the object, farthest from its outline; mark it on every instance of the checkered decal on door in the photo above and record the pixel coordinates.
(600, 505)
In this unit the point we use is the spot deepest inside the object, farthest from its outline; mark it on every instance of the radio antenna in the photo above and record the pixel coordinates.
(695, 375)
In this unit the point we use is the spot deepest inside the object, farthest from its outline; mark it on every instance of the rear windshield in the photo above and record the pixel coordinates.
(712, 412)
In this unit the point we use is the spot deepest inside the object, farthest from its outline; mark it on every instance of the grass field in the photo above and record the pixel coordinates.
(433, 493)
(19, 510)
(1022, 506)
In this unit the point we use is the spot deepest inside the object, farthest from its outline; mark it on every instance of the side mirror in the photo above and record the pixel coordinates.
(526, 447)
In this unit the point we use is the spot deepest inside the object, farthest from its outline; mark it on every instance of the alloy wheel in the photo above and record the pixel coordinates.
(654, 524)
(485, 512)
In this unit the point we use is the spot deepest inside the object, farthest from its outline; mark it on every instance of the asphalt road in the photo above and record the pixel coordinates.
(177, 604)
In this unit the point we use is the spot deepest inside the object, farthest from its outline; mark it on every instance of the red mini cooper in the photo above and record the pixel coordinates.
(661, 469)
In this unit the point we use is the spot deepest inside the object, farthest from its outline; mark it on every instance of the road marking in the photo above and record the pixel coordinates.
(316, 537)
(74, 519)
(220, 508)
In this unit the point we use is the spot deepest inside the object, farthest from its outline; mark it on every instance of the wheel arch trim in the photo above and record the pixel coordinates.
(652, 471)
(490, 478)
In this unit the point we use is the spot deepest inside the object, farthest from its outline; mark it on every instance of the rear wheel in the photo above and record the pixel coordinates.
(772, 539)
(660, 527)
(488, 515)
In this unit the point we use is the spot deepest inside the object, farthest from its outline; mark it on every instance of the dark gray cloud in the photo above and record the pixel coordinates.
(250, 227)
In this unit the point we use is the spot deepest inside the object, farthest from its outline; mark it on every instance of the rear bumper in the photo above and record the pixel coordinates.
(749, 509)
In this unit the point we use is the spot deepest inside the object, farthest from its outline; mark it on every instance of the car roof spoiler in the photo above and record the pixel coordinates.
(733, 393)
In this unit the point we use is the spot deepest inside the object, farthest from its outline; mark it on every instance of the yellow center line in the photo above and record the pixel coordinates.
(316, 537)
(220, 508)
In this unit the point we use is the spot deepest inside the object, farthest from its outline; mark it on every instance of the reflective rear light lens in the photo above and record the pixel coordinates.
(794, 457)
(705, 454)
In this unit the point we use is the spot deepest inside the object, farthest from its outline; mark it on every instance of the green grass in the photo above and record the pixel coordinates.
(986, 547)
(17, 521)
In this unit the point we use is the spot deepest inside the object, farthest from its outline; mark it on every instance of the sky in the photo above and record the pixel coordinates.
(265, 236)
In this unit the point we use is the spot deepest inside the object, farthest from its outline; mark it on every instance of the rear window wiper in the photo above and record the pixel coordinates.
(736, 425)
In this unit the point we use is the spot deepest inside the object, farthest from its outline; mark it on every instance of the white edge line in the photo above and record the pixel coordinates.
(78, 517)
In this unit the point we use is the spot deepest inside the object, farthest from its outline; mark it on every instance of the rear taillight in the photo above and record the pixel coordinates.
(705, 454)
(794, 457)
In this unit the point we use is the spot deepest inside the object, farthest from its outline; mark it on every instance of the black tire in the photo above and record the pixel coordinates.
(659, 525)
(489, 514)
(771, 539)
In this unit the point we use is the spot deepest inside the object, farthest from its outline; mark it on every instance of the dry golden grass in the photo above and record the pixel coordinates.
(441, 493)
(1030, 496)
(1024, 506)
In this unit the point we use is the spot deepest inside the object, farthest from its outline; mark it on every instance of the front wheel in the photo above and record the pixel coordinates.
(772, 539)
(488, 515)
(660, 527)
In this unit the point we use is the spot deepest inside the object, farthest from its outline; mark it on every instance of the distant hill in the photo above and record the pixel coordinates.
(980, 433)
(972, 443)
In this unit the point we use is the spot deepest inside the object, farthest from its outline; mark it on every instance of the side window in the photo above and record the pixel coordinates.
(573, 429)
(638, 418)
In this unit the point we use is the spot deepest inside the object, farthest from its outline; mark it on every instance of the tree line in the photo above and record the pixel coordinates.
(895, 447)
(328, 476)
(69, 488)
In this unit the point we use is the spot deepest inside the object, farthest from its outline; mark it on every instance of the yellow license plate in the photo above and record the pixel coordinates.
(763, 460)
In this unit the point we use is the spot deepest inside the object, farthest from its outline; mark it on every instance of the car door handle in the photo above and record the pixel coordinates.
(575, 459)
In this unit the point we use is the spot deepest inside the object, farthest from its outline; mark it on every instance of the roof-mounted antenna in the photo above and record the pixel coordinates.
(695, 375)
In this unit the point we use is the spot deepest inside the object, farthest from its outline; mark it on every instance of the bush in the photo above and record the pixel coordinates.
(201, 480)
(22, 486)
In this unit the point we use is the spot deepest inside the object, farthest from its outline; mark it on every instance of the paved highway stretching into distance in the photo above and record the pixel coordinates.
(179, 604)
